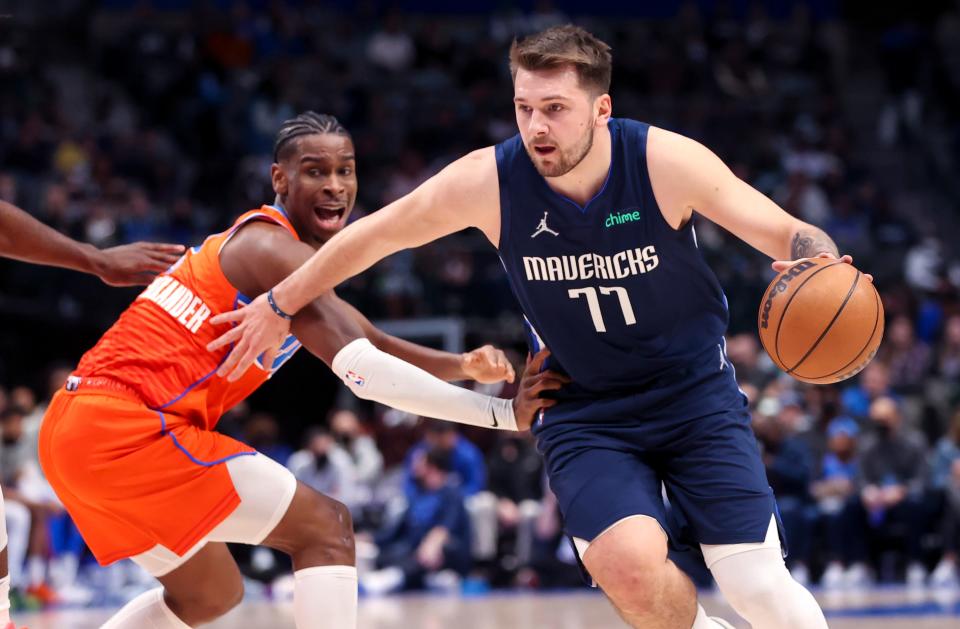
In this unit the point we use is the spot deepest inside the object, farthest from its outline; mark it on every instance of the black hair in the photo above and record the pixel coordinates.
(307, 123)
(12, 411)
(440, 459)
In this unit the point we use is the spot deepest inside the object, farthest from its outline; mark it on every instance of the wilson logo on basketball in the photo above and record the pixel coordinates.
(781, 286)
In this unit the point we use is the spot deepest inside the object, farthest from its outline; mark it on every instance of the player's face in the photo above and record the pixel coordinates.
(318, 185)
(556, 118)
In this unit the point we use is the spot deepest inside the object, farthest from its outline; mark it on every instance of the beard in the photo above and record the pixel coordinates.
(562, 161)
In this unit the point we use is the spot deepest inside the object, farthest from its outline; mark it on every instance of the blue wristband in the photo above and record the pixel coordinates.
(276, 308)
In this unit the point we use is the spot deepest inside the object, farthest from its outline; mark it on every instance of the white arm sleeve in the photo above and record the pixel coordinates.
(375, 375)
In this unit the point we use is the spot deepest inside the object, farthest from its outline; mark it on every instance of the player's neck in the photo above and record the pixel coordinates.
(584, 182)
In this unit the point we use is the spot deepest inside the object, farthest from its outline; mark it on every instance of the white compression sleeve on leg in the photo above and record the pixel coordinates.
(147, 611)
(325, 597)
(375, 375)
(758, 585)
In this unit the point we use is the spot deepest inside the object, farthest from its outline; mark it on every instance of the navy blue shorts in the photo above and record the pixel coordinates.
(607, 457)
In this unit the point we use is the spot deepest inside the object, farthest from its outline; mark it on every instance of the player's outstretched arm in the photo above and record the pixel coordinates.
(23, 237)
(259, 256)
(485, 364)
(465, 194)
(687, 176)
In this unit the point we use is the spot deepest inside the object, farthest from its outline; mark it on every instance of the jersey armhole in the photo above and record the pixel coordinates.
(644, 134)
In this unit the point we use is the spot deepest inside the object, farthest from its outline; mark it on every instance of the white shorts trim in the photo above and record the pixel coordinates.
(712, 553)
(266, 490)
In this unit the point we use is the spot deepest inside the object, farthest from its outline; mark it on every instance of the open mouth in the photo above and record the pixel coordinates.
(544, 149)
(328, 216)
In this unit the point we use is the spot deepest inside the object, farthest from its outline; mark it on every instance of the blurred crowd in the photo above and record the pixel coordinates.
(154, 120)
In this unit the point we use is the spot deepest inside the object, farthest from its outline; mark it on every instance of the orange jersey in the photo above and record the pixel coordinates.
(157, 348)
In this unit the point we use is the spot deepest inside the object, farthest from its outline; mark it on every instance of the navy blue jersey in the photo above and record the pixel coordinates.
(619, 296)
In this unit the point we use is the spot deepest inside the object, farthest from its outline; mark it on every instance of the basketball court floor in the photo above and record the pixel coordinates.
(883, 608)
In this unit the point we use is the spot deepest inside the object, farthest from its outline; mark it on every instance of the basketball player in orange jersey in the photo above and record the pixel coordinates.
(24, 238)
(129, 445)
(593, 218)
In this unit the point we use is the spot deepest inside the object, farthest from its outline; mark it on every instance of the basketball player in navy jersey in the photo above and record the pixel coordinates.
(593, 218)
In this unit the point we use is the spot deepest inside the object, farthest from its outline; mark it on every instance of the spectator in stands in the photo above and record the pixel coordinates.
(787, 461)
(909, 358)
(468, 470)
(873, 382)
(833, 490)
(325, 466)
(516, 480)
(429, 545)
(25, 488)
(364, 457)
(948, 352)
(945, 480)
(262, 432)
(893, 473)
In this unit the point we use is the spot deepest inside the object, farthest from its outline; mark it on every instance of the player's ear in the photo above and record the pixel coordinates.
(278, 178)
(604, 108)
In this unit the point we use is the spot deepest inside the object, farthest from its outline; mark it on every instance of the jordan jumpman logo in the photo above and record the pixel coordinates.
(542, 227)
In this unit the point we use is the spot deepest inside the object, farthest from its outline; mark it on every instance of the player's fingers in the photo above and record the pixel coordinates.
(511, 373)
(228, 317)
(225, 339)
(559, 376)
(233, 358)
(553, 383)
(781, 265)
(249, 355)
(164, 256)
(539, 359)
(547, 402)
(164, 247)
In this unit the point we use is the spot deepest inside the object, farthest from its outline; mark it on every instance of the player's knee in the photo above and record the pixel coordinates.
(752, 591)
(746, 595)
(629, 562)
(210, 599)
(634, 591)
(328, 531)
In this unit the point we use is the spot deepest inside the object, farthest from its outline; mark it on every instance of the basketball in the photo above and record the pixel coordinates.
(821, 321)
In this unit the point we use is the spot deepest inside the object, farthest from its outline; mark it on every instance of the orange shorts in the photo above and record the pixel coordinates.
(132, 477)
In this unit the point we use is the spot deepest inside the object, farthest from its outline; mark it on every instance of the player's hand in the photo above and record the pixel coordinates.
(258, 330)
(139, 263)
(527, 403)
(782, 265)
(487, 364)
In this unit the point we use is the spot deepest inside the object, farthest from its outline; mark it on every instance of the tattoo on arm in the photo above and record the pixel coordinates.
(809, 242)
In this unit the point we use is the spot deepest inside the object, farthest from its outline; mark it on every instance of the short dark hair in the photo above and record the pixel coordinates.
(12, 411)
(307, 123)
(565, 45)
(440, 459)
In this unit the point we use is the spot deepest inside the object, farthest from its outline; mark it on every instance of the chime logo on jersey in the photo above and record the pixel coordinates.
(622, 217)
(591, 265)
(178, 301)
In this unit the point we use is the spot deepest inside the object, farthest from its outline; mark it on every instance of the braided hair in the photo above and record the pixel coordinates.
(307, 123)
